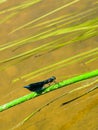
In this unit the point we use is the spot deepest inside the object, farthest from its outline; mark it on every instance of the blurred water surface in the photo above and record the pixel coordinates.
(41, 38)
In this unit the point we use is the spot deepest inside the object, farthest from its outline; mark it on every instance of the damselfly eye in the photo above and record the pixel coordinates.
(53, 77)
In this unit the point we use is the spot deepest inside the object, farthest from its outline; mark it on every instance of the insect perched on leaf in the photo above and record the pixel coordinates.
(39, 85)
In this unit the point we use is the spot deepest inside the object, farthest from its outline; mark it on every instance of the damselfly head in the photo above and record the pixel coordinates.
(53, 77)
